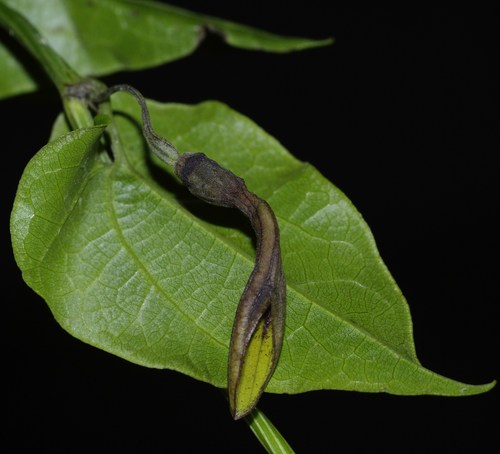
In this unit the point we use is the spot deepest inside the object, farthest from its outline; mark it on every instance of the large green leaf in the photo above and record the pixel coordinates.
(130, 262)
(101, 37)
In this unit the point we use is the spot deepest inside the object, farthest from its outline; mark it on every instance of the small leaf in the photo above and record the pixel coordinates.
(152, 276)
(14, 79)
(97, 37)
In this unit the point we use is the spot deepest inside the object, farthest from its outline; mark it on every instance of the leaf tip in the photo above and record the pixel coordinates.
(471, 390)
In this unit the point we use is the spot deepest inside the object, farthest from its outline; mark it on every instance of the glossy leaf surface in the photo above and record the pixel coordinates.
(102, 37)
(130, 262)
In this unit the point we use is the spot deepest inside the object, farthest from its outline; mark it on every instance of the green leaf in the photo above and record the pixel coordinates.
(14, 79)
(98, 38)
(138, 267)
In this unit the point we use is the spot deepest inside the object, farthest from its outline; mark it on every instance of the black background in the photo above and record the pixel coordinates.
(401, 113)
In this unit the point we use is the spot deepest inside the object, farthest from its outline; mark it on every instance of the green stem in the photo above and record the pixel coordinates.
(267, 434)
(56, 67)
(159, 146)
